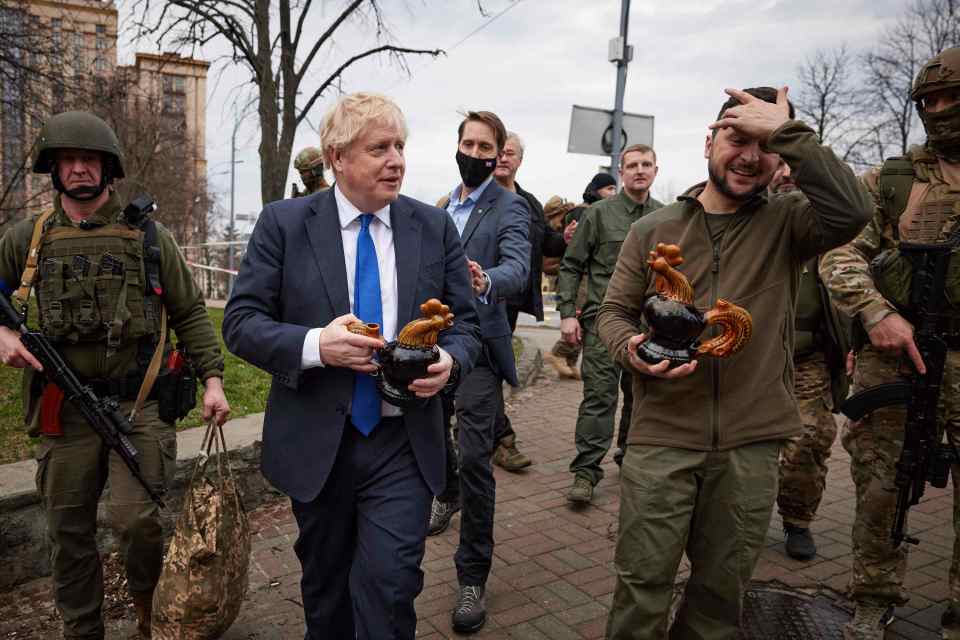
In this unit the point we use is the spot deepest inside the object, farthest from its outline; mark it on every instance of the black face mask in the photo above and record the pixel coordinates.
(475, 170)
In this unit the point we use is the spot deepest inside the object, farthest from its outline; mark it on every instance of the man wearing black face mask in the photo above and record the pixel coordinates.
(494, 229)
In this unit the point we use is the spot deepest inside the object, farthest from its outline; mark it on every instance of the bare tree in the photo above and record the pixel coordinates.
(279, 59)
(828, 99)
(159, 157)
(927, 27)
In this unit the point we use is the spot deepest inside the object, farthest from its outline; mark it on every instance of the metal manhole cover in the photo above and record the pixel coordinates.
(787, 615)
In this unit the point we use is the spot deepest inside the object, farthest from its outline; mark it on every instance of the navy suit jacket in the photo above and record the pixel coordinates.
(293, 278)
(497, 236)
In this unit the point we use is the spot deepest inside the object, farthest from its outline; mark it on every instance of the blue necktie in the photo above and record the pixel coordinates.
(365, 411)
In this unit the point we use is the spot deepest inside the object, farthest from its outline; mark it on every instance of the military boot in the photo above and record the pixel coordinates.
(508, 457)
(951, 625)
(869, 622)
(582, 491)
(798, 542)
(143, 605)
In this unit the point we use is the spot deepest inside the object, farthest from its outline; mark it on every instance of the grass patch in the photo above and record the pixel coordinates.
(517, 348)
(245, 385)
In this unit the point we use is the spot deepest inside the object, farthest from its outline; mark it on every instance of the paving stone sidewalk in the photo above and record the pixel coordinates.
(552, 577)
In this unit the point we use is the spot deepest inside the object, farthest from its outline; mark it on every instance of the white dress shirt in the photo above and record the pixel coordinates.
(382, 235)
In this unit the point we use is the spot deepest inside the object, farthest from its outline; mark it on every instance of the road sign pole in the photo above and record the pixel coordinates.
(621, 56)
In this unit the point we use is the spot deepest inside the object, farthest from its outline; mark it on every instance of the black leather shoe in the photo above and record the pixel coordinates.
(440, 515)
(470, 613)
(799, 542)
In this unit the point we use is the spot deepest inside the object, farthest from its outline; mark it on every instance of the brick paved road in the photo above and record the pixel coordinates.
(552, 576)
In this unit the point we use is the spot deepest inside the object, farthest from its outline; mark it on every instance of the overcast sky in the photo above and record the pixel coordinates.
(539, 58)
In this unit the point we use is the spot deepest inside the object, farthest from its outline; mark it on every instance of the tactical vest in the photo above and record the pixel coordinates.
(92, 285)
(809, 321)
(892, 272)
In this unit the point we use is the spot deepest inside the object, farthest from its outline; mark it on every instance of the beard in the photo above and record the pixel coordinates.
(720, 182)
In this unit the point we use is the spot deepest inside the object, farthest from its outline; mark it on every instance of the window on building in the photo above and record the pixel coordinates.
(101, 37)
(59, 95)
(174, 103)
(78, 48)
(100, 64)
(56, 26)
(174, 84)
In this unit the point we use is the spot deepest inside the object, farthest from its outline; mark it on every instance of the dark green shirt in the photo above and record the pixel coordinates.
(593, 251)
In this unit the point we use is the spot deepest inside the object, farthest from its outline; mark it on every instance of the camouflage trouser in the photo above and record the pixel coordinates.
(803, 460)
(567, 351)
(874, 444)
(71, 473)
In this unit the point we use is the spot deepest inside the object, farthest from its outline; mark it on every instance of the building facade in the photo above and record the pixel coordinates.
(65, 57)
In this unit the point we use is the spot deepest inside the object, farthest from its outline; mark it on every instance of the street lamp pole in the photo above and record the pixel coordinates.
(233, 182)
(620, 53)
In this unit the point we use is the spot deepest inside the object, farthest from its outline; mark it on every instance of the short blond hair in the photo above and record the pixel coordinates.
(351, 114)
(638, 148)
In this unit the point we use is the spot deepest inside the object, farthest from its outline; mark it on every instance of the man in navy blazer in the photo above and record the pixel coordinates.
(360, 486)
(494, 227)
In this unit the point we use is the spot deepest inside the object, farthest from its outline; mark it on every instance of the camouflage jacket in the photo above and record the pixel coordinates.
(846, 270)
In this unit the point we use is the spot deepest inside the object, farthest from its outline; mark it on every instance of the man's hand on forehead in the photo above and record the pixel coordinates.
(754, 117)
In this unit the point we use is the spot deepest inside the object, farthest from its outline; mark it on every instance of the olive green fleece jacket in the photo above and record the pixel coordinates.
(186, 310)
(747, 397)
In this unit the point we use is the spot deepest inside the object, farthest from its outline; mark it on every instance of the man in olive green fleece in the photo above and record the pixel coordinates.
(106, 321)
(700, 474)
(592, 253)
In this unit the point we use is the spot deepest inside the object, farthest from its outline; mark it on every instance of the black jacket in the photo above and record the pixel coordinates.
(544, 241)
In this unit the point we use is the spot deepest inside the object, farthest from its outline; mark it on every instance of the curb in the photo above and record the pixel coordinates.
(529, 365)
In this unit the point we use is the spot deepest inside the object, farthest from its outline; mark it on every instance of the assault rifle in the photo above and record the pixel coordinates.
(924, 458)
(103, 414)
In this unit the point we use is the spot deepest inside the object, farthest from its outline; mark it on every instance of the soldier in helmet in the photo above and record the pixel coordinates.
(309, 162)
(917, 199)
(108, 283)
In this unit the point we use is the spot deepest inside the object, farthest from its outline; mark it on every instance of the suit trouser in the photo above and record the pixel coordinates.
(602, 377)
(503, 427)
(716, 506)
(452, 491)
(479, 398)
(362, 539)
(72, 470)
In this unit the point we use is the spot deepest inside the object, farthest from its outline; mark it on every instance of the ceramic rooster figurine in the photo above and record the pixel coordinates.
(675, 323)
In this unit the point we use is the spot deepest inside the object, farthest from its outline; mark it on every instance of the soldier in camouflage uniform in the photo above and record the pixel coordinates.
(102, 307)
(309, 162)
(820, 384)
(917, 199)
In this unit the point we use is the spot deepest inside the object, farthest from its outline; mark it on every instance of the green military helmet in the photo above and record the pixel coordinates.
(308, 158)
(940, 72)
(77, 130)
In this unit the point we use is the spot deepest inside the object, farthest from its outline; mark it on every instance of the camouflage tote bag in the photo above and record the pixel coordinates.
(204, 577)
